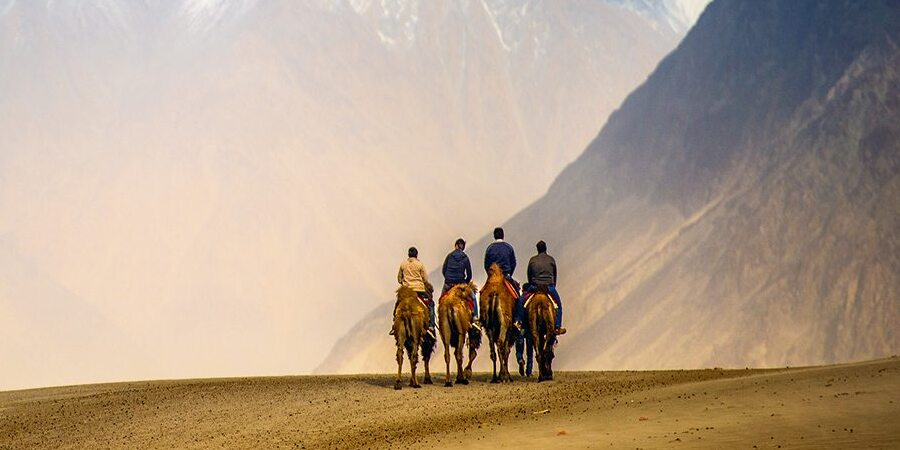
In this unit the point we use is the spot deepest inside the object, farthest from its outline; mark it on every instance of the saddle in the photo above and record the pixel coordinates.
(529, 295)
(470, 302)
(423, 297)
(510, 288)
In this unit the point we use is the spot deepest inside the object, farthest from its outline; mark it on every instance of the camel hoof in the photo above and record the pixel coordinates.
(462, 381)
(398, 386)
(495, 380)
(448, 384)
(428, 381)
(415, 386)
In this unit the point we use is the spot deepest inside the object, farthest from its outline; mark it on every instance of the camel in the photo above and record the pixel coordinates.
(497, 305)
(455, 323)
(540, 316)
(410, 319)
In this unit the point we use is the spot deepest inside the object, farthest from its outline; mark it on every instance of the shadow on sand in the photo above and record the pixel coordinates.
(387, 381)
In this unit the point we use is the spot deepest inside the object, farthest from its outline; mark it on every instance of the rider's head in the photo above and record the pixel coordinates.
(460, 244)
(413, 253)
(498, 233)
(542, 247)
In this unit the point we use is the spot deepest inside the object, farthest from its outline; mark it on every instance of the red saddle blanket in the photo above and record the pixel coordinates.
(510, 288)
(470, 303)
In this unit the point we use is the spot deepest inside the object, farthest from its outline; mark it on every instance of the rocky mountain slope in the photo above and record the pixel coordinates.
(218, 180)
(742, 207)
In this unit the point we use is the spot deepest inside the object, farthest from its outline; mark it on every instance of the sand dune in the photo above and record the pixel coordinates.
(843, 406)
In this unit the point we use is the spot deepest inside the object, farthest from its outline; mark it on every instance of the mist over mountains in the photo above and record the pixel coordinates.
(739, 209)
(201, 188)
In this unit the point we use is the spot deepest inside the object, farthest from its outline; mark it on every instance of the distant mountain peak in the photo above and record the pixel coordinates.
(679, 15)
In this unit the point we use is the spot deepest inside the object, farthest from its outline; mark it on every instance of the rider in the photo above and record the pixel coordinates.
(412, 274)
(502, 253)
(541, 272)
(458, 270)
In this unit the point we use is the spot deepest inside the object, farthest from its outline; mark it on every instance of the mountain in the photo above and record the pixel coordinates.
(232, 183)
(740, 208)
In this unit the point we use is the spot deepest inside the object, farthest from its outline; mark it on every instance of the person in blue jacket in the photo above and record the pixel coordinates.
(502, 253)
(458, 270)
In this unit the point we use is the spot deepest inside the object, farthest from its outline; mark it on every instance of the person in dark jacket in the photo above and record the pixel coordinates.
(541, 272)
(502, 253)
(458, 270)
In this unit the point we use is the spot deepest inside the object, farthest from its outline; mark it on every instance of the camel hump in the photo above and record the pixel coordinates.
(546, 298)
(495, 270)
(405, 292)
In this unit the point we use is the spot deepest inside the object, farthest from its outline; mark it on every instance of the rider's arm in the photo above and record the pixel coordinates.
(468, 269)
(400, 275)
(424, 274)
(531, 271)
(555, 279)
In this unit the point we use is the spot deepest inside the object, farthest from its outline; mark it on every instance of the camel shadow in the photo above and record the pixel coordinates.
(478, 378)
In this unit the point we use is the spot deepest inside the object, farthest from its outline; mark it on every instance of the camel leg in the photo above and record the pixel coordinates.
(545, 363)
(548, 362)
(504, 355)
(458, 351)
(493, 346)
(504, 365)
(447, 382)
(427, 361)
(399, 383)
(472, 355)
(413, 360)
(539, 354)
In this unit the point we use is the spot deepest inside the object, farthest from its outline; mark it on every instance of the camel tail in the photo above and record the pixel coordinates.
(454, 329)
(494, 314)
(408, 325)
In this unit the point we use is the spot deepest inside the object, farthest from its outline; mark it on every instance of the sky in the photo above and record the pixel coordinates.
(188, 190)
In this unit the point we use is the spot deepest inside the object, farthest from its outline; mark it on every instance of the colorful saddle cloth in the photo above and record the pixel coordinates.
(470, 302)
(510, 288)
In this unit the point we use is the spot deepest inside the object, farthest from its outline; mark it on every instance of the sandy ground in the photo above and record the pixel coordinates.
(847, 406)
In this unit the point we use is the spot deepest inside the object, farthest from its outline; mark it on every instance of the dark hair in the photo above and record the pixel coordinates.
(542, 247)
(413, 253)
(498, 233)
(460, 242)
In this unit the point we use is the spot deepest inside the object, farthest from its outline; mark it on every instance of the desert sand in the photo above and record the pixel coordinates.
(844, 406)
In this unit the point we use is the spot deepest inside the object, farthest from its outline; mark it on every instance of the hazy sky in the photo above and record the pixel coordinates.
(207, 188)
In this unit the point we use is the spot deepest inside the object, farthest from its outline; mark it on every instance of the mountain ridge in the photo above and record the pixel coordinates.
(727, 214)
